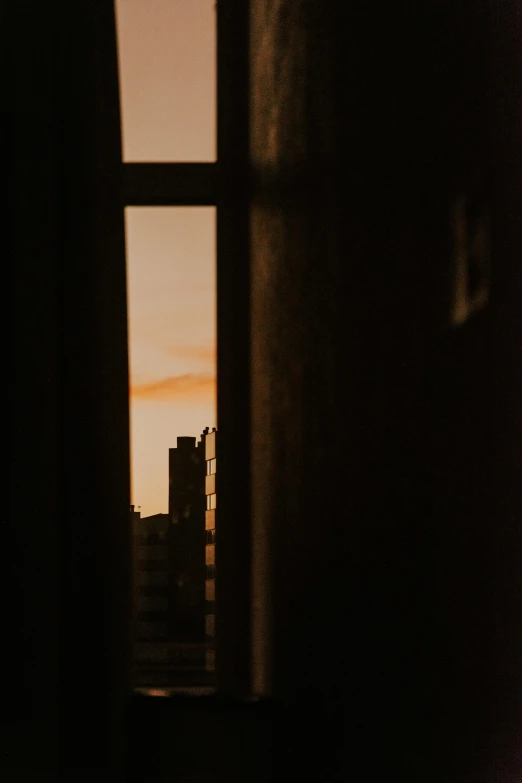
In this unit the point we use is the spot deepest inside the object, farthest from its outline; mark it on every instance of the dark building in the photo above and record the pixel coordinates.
(152, 553)
(169, 571)
(210, 548)
(187, 539)
(151, 582)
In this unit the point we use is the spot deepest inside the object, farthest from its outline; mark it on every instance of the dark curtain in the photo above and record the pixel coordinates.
(66, 549)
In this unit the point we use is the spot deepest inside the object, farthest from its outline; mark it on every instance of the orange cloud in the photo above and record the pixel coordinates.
(200, 353)
(192, 387)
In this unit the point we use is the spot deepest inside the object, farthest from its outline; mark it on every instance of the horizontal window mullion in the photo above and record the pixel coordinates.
(169, 184)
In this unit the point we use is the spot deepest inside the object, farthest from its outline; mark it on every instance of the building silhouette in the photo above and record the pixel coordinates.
(210, 546)
(151, 553)
(170, 612)
(187, 539)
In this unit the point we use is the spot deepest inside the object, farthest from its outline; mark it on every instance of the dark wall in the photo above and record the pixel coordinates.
(67, 554)
(386, 440)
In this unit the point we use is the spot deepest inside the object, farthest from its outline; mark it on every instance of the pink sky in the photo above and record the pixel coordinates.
(167, 80)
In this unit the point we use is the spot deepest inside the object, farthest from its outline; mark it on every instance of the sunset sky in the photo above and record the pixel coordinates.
(167, 82)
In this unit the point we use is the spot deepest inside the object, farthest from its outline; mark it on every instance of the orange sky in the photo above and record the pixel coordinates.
(167, 80)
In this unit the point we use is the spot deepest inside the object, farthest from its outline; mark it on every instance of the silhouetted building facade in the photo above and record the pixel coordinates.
(187, 538)
(210, 546)
(171, 579)
(151, 594)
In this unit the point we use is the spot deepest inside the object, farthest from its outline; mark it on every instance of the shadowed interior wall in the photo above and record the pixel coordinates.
(386, 441)
(67, 559)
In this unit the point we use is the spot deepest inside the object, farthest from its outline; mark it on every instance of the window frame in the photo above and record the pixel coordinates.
(223, 184)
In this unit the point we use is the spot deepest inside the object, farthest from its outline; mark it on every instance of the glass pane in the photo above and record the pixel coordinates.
(167, 56)
(172, 338)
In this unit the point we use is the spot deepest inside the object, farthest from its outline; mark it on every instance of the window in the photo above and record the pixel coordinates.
(167, 82)
(199, 171)
(153, 538)
(210, 625)
(169, 71)
(150, 565)
(153, 590)
(152, 580)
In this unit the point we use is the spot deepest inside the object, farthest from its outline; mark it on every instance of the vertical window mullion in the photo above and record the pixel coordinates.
(233, 541)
